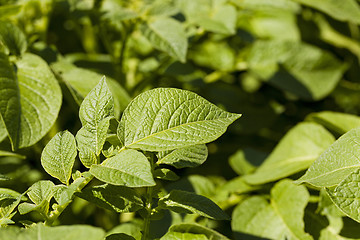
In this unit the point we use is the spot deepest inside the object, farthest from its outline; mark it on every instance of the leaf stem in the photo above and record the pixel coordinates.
(54, 214)
(148, 207)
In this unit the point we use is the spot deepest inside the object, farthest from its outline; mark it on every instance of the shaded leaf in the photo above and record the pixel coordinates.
(116, 198)
(58, 156)
(304, 70)
(13, 38)
(65, 194)
(119, 236)
(9, 10)
(335, 121)
(167, 34)
(197, 229)
(336, 163)
(128, 168)
(240, 161)
(10, 154)
(167, 118)
(300, 147)
(346, 10)
(191, 156)
(187, 202)
(31, 99)
(281, 218)
(165, 174)
(70, 73)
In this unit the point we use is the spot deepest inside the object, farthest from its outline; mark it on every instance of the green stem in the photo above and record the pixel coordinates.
(54, 214)
(148, 207)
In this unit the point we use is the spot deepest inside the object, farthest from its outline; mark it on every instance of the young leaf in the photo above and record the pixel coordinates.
(336, 163)
(167, 34)
(197, 229)
(346, 10)
(58, 156)
(64, 194)
(335, 121)
(95, 113)
(128, 168)
(346, 195)
(183, 236)
(301, 146)
(187, 202)
(281, 218)
(115, 198)
(167, 118)
(191, 156)
(38, 93)
(13, 38)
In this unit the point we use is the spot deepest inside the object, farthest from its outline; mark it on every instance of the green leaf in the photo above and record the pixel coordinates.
(38, 93)
(58, 156)
(191, 156)
(13, 38)
(128, 168)
(9, 200)
(187, 202)
(304, 70)
(215, 16)
(10, 154)
(165, 174)
(240, 161)
(346, 10)
(296, 151)
(8, 193)
(9, 100)
(91, 140)
(41, 232)
(70, 73)
(9, 10)
(167, 118)
(336, 163)
(197, 229)
(95, 113)
(346, 195)
(40, 194)
(168, 35)
(281, 218)
(216, 55)
(64, 194)
(335, 121)
(115, 198)
(119, 236)
(183, 236)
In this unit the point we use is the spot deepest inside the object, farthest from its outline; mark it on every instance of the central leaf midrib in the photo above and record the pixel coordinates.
(169, 129)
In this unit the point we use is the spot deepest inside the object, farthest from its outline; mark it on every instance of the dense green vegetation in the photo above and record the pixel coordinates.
(121, 119)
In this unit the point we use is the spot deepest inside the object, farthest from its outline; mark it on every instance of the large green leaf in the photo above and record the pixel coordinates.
(41, 232)
(13, 38)
(304, 70)
(168, 35)
(116, 198)
(128, 168)
(345, 10)
(38, 93)
(70, 75)
(191, 156)
(58, 156)
(300, 147)
(336, 163)
(95, 113)
(197, 229)
(336, 121)
(282, 218)
(216, 16)
(187, 202)
(167, 118)
(347, 195)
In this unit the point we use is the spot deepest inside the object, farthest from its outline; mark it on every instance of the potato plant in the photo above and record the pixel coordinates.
(119, 119)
